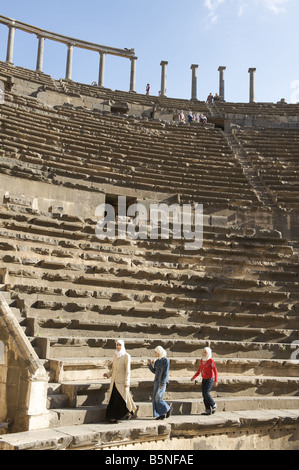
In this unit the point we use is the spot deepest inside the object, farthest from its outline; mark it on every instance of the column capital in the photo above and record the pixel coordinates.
(164, 62)
(252, 69)
(221, 68)
(194, 66)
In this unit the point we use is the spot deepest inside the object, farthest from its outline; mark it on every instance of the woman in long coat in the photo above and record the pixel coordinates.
(121, 404)
(161, 409)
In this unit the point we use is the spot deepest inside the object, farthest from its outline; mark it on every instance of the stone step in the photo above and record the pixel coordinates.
(215, 237)
(152, 313)
(214, 243)
(184, 407)
(68, 347)
(113, 300)
(157, 275)
(102, 329)
(165, 277)
(58, 400)
(166, 287)
(145, 431)
(145, 309)
(72, 369)
(95, 393)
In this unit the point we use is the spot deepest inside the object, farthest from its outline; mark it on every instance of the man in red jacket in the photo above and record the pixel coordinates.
(208, 371)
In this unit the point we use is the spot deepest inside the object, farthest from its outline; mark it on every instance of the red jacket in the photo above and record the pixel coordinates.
(207, 370)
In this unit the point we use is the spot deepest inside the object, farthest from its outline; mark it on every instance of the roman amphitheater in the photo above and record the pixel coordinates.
(67, 295)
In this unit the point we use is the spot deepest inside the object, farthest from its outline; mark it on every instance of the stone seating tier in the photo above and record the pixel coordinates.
(256, 109)
(74, 296)
(91, 147)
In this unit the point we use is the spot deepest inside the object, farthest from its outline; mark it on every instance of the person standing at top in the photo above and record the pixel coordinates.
(209, 373)
(121, 404)
(161, 409)
(210, 98)
(148, 89)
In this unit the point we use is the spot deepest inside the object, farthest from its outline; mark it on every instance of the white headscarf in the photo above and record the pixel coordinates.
(162, 353)
(209, 354)
(122, 352)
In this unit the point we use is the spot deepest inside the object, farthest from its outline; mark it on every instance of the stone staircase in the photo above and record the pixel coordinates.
(251, 173)
(273, 155)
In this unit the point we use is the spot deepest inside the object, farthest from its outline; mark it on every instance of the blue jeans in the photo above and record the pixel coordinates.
(207, 385)
(160, 407)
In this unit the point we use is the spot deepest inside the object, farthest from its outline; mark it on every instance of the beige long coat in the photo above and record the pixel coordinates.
(120, 376)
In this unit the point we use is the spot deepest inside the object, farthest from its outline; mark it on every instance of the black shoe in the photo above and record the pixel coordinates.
(169, 411)
(161, 417)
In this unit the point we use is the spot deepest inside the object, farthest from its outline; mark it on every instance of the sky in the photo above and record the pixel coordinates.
(237, 34)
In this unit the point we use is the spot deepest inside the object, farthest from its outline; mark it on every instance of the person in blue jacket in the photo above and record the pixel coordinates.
(161, 409)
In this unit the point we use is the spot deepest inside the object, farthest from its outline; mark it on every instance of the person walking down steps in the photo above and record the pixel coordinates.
(161, 409)
(121, 404)
(209, 374)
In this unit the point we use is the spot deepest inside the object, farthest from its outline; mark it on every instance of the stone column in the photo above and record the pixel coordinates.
(133, 74)
(252, 85)
(69, 61)
(194, 68)
(102, 68)
(40, 54)
(221, 82)
(10, 44)
(164, 64)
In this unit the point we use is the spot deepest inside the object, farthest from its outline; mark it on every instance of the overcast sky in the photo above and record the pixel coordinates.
(237, 34)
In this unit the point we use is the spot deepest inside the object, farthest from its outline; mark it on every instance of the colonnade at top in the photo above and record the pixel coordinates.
(70, 44)
(103, 51)
(221, 69)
